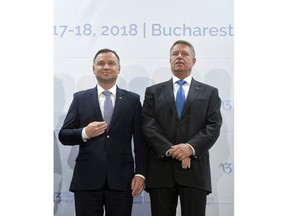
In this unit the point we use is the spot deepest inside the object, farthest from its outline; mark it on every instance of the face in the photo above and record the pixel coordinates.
(181, 60)
(106, 68)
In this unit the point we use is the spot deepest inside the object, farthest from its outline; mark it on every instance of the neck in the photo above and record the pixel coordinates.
(106, 86)
(182, 75)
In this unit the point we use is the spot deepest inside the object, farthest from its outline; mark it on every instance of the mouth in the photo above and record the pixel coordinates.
(179, 62)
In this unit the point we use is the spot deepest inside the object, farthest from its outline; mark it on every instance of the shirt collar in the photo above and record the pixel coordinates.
(187, 79)
(112, 90)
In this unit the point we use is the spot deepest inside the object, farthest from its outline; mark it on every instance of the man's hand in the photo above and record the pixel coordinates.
(137, 185)
(180, 151)
(186, 163)
(95, 129)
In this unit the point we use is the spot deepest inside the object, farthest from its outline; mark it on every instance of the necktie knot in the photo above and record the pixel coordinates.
(107, 93)
(181, 82)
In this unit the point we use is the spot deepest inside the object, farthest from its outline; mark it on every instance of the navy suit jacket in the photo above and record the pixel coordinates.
(199, 125)
(109, 156)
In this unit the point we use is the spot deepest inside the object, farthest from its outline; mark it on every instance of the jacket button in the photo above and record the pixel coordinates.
(108, 136)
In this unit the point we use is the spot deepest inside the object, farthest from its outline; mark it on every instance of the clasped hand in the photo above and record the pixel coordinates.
(182, 152)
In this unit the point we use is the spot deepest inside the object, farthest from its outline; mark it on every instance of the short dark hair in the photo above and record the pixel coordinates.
(105, 51)
(183, 42)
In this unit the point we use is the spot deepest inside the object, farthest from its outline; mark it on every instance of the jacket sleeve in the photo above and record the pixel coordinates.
(205, 138)
(71, 131)
(151, 129)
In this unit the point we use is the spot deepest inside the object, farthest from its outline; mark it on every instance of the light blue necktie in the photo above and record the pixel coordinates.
(108, 107)
(180, 97)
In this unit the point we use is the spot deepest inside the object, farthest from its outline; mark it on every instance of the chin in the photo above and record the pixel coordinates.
(178, 71)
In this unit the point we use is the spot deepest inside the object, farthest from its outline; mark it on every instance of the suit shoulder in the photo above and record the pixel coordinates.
(128, 93)
(159, 85)
(85, 92)
(204, 85)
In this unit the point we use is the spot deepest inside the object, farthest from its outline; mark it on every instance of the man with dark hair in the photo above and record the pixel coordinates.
(103, 121)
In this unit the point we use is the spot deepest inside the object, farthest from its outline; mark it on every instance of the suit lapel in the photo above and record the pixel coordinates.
(117, 107)
(169, 95)
(192, 95)
(95, 104)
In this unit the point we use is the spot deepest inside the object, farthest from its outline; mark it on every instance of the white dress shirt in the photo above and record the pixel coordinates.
(186, 87)
(101, 99)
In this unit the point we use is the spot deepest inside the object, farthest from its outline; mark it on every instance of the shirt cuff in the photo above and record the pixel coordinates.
(84, 135)
(193, 150)
(168, 153)
(140, 176)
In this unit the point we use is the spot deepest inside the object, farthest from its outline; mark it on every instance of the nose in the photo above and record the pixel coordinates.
(106, 66)
(179, 55)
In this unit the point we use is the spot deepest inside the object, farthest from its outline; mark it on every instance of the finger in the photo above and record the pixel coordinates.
(136, 192)
(139, 191)
(173, 149)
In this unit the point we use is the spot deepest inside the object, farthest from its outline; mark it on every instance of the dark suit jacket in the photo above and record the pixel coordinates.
(109, 156)
(199, 126)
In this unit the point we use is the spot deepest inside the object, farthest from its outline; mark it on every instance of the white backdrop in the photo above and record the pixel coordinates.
(142, 32)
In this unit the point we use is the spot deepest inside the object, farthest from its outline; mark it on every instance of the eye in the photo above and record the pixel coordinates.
(112, 63)
(100, 63)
